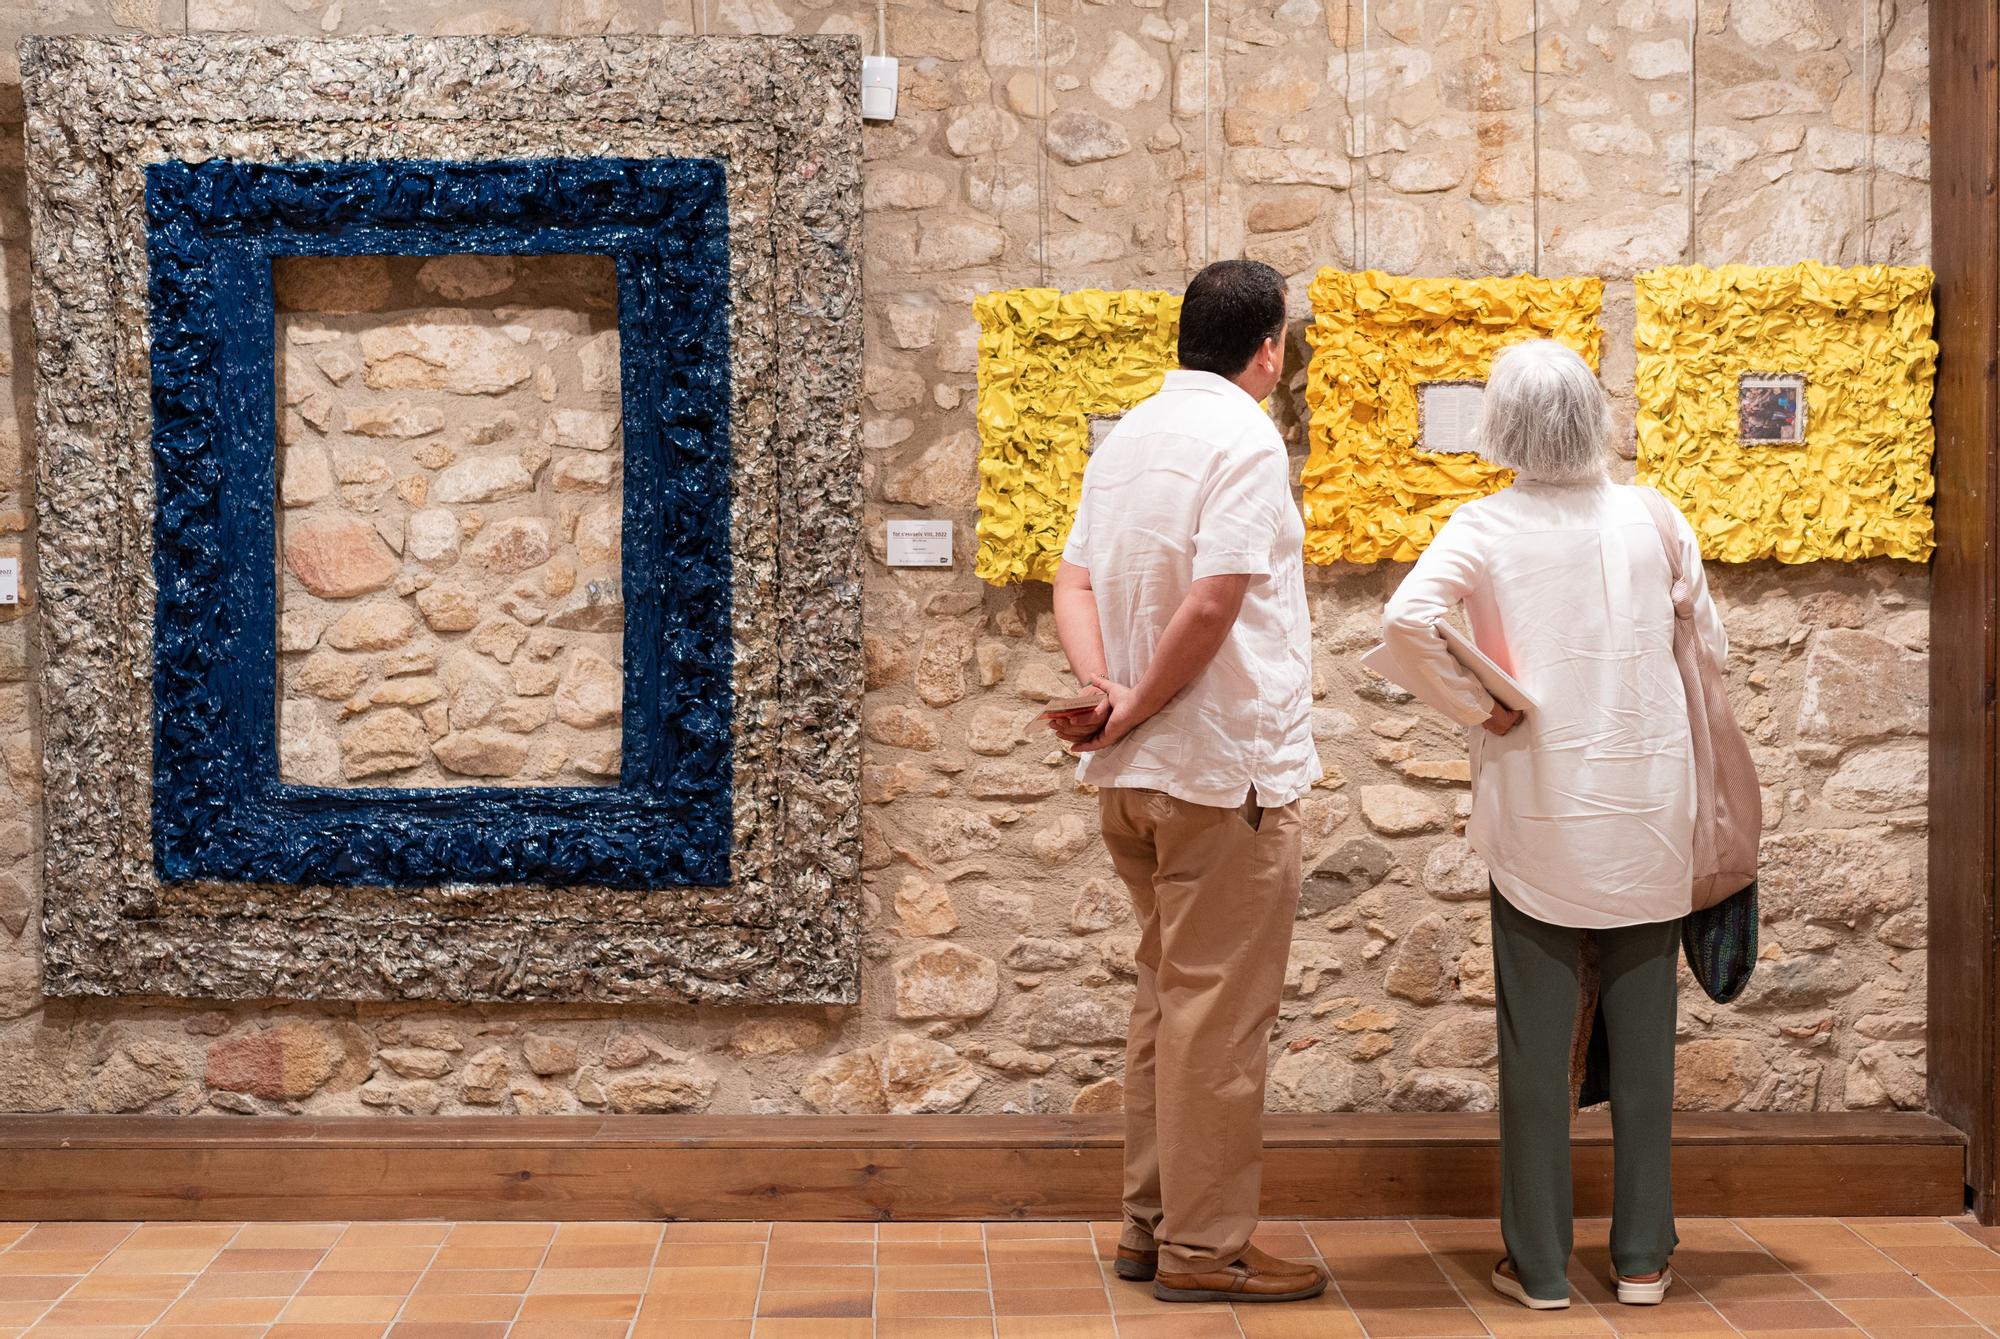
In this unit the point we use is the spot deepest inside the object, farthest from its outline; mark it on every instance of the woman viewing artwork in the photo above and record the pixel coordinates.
(1583, 808)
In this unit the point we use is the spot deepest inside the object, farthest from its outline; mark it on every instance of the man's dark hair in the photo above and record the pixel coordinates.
(1230, 309)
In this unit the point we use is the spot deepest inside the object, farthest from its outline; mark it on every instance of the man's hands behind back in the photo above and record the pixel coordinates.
(1073, 727)
(1103, 725)
(1197, 630)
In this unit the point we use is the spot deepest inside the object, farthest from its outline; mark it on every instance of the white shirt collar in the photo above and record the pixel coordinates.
(1187, 379)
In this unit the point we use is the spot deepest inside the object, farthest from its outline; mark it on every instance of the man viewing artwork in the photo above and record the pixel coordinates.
(1181, 603)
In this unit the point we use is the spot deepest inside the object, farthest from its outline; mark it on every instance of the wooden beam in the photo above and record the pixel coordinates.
(1965, 787)
(907, 1168)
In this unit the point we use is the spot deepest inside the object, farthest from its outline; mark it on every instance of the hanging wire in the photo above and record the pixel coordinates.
(1041, 153)
(1535, 126)
(1207, 128)
(1347, 68)
(1367, 72)
(1694, 81)
(881, 27)
(1868, 134)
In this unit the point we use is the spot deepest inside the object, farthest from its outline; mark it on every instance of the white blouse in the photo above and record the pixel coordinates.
(1585, 811)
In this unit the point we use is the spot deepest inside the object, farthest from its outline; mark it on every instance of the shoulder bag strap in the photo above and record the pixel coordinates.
(1663, 514)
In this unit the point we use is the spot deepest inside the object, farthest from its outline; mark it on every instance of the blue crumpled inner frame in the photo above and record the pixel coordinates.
(220, 812)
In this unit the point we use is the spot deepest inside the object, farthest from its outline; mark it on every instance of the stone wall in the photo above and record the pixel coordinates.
(1000, 946)
(449, 488)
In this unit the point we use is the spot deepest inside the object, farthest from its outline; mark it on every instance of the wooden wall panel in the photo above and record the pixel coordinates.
(907, 1168)
(1965, 160)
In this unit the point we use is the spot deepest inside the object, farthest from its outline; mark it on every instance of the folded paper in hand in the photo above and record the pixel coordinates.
(1496, 681)
(1063, 706)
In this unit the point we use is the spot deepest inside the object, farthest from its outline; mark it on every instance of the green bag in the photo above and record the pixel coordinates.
(1720, 943)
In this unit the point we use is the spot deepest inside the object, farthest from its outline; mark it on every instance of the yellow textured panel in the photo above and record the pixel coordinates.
(1859, 486)
(1048, 360)
(1372, 493)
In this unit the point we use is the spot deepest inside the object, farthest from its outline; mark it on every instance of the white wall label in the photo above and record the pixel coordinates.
(10, 580)
(1446, 413)
(1100, 428)
(920, 543)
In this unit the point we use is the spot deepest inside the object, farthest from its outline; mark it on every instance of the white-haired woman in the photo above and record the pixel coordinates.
(1583, 809)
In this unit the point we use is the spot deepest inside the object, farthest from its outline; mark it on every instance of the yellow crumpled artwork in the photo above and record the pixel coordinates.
(1048, 360)
(1372, 493)
(1860, 484)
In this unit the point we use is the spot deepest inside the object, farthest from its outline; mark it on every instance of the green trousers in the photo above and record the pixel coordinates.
(1535, 973)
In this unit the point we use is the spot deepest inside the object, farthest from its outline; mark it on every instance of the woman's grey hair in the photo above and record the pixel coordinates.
(1544, 415)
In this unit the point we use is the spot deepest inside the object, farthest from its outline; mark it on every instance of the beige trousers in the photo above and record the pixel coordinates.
(1215, 891)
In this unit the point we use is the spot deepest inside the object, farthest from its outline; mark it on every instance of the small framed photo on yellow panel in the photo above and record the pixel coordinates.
(1393, 388)
(1786, 410)
(1055, 370)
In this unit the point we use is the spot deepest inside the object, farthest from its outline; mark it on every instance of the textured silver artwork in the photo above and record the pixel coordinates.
(781, 116)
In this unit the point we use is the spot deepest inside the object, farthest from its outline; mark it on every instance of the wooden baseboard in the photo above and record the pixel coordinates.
(908, 1168)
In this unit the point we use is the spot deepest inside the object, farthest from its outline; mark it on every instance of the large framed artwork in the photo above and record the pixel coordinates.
(719, 858)
(1786, 409)
(1055, 369)
(1397, 367)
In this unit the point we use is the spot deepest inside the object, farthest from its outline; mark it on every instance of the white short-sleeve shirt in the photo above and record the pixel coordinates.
(1193, 483)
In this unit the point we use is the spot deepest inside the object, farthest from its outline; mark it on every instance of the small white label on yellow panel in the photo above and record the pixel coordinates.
(920, 543)
(10, 580)
(1100, 428)
(1446, 412)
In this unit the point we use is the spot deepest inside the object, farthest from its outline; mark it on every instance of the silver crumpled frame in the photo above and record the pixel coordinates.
(783, 118)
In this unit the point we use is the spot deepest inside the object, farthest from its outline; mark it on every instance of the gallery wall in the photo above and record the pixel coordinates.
(998, 965)
(375, 371)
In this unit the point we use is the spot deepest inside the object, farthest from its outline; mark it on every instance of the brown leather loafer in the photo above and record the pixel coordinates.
(1135, 1265)
(1252, 1277)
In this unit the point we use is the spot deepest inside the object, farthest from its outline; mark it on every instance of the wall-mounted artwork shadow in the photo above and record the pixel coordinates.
(717, 855)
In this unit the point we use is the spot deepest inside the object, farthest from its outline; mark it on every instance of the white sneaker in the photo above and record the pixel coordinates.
(1508, 1286)
(1635, 1293)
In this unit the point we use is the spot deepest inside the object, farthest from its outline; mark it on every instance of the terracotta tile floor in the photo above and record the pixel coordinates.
(1750, 1279)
